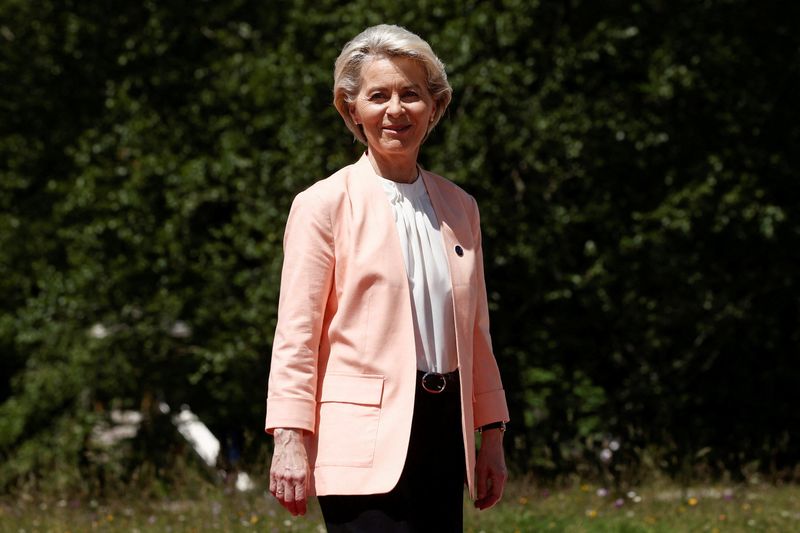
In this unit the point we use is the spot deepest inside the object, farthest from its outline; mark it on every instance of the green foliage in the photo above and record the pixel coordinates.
(632, 162)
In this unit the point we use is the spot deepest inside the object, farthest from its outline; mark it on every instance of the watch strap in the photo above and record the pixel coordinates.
(494, 425)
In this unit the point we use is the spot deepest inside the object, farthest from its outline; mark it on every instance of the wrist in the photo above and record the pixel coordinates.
(287, 435)
(495, 427)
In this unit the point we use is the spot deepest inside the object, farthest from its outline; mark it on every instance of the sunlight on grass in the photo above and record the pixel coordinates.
(583, 508)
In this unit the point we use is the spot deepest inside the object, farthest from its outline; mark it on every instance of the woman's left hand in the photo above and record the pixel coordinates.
(490, 469)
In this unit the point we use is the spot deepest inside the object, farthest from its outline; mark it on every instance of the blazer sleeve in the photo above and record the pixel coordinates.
(306, 279)
(489, 396)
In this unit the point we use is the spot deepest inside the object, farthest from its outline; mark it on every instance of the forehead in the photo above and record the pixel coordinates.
(386, 71)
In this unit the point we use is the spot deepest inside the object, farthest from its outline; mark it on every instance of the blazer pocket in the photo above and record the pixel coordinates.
(349, 415)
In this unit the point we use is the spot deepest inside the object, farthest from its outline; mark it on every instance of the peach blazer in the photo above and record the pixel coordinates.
(343, 358)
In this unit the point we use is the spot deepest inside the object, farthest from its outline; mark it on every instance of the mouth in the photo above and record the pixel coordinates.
(400, 128)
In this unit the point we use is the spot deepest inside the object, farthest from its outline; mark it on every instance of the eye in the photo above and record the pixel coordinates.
(377, 96)
(410, 96)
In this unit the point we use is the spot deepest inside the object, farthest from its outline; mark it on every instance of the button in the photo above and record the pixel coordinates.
(459, 251)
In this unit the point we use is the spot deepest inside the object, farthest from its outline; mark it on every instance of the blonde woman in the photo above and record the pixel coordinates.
(382, 367)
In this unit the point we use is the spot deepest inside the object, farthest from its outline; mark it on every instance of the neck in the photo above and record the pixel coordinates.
(402, 169)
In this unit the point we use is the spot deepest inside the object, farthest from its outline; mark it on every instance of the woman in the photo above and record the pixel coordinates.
(382, 368)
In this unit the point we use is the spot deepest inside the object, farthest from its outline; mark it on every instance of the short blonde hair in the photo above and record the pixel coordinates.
(386, 40)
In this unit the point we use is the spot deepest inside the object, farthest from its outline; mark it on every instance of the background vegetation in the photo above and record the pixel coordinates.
(583, 508)
(635, 163)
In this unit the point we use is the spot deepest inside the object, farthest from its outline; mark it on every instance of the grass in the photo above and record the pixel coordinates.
(585, 508)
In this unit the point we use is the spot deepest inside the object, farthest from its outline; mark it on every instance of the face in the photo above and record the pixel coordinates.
(393, 106)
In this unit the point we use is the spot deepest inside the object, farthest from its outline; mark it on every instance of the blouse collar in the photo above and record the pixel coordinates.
(397, 191)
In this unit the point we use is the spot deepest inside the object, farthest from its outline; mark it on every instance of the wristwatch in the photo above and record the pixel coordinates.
(494, 425)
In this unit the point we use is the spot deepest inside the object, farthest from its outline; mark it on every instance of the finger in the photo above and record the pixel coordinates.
(291, 506)
(282, 488)
(492, 495)
(278, 493)
(301, 507)
(485, 502)
(496, 490)
(294, 507)
(492, 498)
(482, 482)
(286, 504)
(501, 485)
(300, 498)
(289, 500)
(483, 487)
(273, 482)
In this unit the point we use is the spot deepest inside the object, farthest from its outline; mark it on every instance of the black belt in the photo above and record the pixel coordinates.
(434, 382)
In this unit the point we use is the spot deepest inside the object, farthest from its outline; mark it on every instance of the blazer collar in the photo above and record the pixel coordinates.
(366, 180)
(449, 211)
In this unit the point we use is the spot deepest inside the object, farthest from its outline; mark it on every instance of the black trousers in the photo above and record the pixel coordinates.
(429, 496)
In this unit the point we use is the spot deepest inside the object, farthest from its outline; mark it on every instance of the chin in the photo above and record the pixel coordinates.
(395, 145)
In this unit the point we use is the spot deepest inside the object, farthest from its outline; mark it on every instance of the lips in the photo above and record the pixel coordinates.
(398, 128)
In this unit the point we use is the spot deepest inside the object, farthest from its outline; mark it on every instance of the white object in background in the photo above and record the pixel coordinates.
(243, 482)
(98, 331)
(199, 436)
(180, 330)
(125, 425)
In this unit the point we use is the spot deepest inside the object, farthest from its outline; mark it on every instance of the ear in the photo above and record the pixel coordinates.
(351, 107)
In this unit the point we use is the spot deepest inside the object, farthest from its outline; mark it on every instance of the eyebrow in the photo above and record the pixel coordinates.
(383, 88)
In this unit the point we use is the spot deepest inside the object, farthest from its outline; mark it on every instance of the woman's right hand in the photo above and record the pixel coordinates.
(288, 474)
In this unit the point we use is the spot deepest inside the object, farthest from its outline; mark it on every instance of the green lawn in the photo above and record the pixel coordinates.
(753, 508)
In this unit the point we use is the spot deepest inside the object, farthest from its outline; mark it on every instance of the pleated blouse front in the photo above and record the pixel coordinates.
(428, 274)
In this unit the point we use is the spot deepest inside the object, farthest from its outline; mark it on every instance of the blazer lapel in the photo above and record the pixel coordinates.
(374, 221)
(457, 239)
(451, 219)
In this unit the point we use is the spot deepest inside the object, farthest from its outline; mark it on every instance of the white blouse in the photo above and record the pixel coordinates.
(428, 274)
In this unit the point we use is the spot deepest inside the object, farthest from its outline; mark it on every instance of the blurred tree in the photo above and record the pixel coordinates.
(632, 161)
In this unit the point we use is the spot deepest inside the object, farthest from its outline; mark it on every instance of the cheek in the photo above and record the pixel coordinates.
(366, 114)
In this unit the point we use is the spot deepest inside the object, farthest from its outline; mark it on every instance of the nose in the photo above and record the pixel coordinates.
(395, 106)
